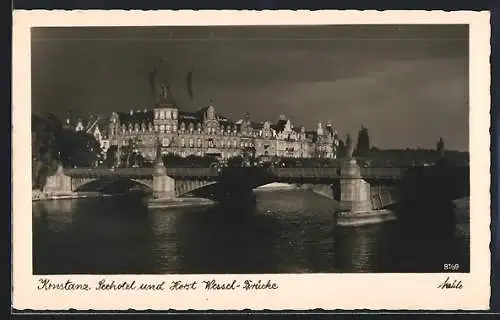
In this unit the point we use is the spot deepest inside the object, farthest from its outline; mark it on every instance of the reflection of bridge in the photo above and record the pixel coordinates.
(358, 189)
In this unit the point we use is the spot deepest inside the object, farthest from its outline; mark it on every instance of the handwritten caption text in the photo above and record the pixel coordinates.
(177, 285)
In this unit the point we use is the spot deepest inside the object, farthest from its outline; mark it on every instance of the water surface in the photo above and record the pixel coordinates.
(284, 232)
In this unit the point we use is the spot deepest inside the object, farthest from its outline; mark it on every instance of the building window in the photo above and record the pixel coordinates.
(191, 142)
(183, 142)
(198, 142)
(162, 115)
(156, 114)
(168, 128)
(168, 114)
(166, 142)
(174, 115)
(162, 128)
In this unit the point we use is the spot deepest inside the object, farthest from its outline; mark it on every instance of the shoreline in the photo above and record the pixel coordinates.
(37, 195)
(179, 203)
(348, 219)
(276, 186)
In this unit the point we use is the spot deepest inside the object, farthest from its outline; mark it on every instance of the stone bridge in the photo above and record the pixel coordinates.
(185, 179)
(357, 189)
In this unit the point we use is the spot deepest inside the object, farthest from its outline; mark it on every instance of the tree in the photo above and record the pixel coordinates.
(129, 152)
(363, 144)
(44, 147)
(349, 147)
(236, 161)
(52, 144)
(78, 149)
(249, 153)
(171, 159)
(440, 147)
(111, 155)
(341, 149)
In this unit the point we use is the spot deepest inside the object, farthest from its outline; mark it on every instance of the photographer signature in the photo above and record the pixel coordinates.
(447, 284)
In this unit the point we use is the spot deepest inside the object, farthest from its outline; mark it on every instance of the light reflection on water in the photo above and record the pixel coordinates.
(292, 231)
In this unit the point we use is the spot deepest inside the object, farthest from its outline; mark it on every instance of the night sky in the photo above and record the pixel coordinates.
(407, 84)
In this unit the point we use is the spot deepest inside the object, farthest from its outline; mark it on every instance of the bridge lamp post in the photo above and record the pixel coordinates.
(118, 152)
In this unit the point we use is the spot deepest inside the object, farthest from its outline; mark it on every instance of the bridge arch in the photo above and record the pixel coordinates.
(101, 184)
(197, 187)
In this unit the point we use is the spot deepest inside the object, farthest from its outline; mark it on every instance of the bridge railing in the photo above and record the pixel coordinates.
(306, 172)
(140, 172)
(192, 172)
(382, 173)
(105, 172)
(373, 173)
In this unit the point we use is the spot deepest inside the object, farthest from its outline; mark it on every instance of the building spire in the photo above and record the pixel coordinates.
(153, 74)
(165, 95)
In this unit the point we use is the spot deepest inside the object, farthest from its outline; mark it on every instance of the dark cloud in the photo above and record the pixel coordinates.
(407, 84)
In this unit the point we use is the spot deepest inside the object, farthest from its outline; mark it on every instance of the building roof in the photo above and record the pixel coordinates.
(136, 117)
(313, 135)
(297, 129)
(257, 126)
(198, 117)
(280, 125)
(329, 129)
(189, 116)
(165, 96)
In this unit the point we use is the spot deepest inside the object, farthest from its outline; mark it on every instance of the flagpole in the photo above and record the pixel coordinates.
(189, 83)
(154, 74)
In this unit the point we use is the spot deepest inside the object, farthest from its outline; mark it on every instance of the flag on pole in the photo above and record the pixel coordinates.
(189, 81)
(154, 73)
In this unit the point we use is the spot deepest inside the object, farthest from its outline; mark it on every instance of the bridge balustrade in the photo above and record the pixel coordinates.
(382, 173)
(306, 172)
(192, 172)
(139, 172)
(368, 172)
(104, 172)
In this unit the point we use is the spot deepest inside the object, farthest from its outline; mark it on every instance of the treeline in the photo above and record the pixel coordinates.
(408, 157)
(371, 155)
(53, 144)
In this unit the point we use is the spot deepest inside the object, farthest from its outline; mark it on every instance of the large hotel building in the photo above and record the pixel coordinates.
(207, 132)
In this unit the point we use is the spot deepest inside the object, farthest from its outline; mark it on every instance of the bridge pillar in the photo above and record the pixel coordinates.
(58, 183)
(355, 195)
(163, 185)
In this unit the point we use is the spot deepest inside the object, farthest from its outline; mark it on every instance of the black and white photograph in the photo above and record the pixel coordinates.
(252, 150)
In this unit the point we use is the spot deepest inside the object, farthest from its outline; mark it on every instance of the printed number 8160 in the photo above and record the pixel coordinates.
(451, 267)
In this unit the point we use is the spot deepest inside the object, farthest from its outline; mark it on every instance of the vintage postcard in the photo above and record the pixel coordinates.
(230, 160)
